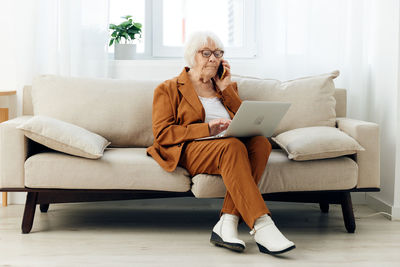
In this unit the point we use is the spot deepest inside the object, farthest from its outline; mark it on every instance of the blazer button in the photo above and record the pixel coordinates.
(179, 145)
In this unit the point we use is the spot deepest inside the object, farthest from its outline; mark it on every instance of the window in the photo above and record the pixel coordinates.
(168, 23)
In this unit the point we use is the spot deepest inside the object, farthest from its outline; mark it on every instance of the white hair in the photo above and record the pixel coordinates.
(196, 41)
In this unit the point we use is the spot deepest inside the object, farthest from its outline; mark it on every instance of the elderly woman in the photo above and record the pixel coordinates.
(197, 104)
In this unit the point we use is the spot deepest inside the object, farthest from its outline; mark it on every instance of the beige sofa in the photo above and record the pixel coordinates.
(120, 111)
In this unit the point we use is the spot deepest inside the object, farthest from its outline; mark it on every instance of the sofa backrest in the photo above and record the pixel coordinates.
(118, 110)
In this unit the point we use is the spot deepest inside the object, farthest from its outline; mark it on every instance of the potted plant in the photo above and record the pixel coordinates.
(128, 30)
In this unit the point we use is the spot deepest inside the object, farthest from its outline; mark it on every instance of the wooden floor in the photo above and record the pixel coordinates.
(176, 232)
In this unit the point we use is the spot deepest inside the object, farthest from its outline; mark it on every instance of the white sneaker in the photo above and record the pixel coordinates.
(268, 237)
(225, 234)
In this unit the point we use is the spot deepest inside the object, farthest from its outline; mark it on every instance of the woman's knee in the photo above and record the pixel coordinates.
(261, 143)
(233, 143)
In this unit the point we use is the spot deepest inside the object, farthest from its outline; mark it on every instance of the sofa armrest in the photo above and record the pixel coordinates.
(367, 135)
(13, 153)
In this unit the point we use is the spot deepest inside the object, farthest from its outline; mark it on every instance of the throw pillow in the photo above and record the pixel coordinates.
(64, 137)
(318, 142)
(312, 98)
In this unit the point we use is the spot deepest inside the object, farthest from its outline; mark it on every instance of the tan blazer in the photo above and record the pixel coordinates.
(178, 117)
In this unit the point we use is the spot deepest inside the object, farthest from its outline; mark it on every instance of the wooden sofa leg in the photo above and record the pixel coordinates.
(29, 212)
(347, 210)
(324, 206)
(44, 207)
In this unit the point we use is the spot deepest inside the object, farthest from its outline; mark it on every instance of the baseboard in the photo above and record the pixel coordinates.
(378, 204)
(15, 198)
(358, 198)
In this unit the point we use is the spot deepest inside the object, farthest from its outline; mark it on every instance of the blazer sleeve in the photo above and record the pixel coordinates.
(166, 131)
(231, 97)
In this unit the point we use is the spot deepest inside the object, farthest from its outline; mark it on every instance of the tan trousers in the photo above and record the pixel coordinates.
(240, 162)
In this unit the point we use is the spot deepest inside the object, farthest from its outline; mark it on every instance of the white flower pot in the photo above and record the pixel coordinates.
(124, 51)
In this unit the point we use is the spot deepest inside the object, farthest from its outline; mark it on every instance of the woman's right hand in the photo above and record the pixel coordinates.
(218, 125)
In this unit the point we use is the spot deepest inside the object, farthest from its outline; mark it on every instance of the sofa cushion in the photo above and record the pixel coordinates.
(312, 98)
(318, 142)
(119, 168)
(284, 175)
(118, 110)
(65, 137)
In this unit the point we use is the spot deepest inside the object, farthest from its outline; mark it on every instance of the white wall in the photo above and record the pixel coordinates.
(385, 102)
(15, 62)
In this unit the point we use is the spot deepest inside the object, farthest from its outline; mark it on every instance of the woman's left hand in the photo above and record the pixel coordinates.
(223, 84)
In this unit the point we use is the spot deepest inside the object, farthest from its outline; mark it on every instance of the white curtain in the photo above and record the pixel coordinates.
(71, 37)
(304, 37)
(64, 37)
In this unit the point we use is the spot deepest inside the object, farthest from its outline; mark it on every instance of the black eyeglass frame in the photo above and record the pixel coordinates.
(212, 52)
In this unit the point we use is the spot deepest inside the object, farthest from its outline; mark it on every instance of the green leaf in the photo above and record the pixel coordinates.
(114, 34)
(125, 23)
(111, 42)
(127, 37)
(113, 26)
(127, 17)
(137, 25)
(133, 28)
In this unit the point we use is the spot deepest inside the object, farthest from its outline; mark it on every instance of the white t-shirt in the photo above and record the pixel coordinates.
(214, 108)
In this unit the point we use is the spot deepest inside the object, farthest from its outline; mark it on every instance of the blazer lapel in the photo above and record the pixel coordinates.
(186, 88)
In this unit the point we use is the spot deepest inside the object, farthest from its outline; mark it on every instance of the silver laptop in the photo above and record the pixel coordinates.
(254, 118)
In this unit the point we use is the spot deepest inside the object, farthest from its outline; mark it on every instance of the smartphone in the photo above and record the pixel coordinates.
(221, 71)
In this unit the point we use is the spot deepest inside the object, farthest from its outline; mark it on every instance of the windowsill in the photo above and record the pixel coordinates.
(166, 68)
(146, 58)
(162, 60)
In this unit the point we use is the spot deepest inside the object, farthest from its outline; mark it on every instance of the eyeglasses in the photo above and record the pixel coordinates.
(208, 53)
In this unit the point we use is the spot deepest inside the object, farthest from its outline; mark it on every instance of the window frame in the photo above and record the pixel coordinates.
(248, 50)
(153, 39)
